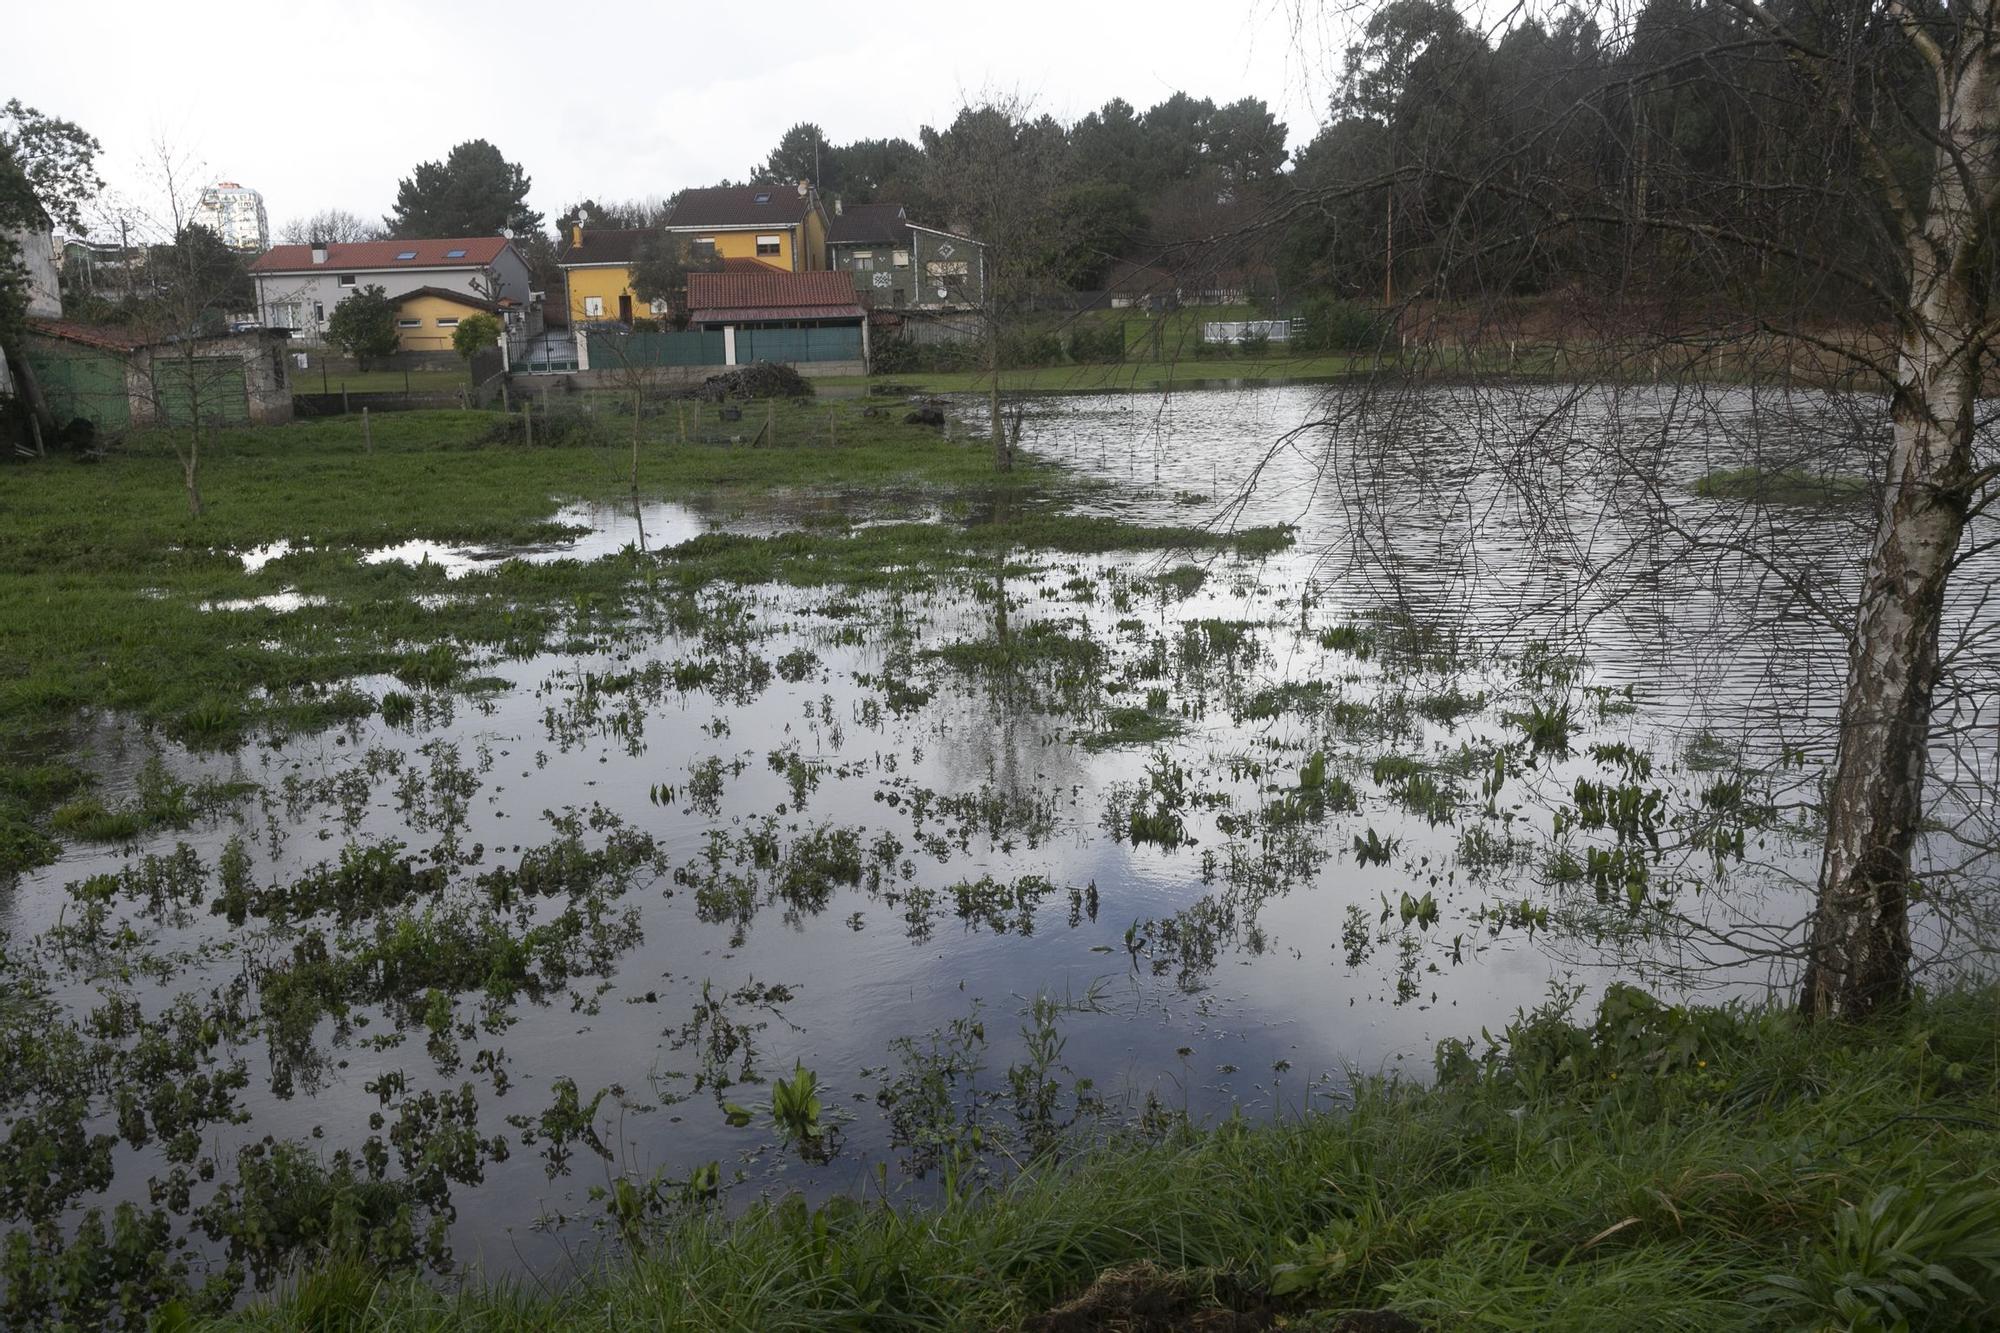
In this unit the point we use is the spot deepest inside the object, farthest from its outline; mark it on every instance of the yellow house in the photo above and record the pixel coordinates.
(597, 268)
(427, 317)
(782, 226)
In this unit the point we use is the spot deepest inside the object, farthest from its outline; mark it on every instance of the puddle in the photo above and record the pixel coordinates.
(257, 557)
(281, 601)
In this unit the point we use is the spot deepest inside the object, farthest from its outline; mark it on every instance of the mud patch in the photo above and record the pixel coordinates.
(1145, 1298)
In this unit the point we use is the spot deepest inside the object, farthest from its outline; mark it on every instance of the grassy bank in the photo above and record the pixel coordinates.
(1649, 1167)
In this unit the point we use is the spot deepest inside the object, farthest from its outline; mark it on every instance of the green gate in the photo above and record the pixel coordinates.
(81, 382)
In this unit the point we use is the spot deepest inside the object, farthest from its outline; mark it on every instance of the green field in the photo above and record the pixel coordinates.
(312, 380)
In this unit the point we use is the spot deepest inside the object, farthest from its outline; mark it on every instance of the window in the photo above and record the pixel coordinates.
(454, 254)
(944, 270)
(901, 259)
(593, 307)
(863, 262)
(285, 315)
(444, 323)
(769, 245)
(763, 198)
(406, 254)
(409, 323)
(704, 247)
(347, 279)
(319, 312)
(660, 307)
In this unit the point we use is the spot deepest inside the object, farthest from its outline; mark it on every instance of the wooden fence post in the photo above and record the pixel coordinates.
(367, 430)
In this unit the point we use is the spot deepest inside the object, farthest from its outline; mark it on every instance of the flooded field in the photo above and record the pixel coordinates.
(840, 885)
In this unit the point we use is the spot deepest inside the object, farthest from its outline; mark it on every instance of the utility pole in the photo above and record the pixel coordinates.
(1389, 249)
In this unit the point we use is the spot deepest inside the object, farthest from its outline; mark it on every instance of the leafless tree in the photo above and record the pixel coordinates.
(1843, 237)
(329, 224)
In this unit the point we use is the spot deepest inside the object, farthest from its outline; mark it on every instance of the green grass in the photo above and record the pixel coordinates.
(1112, 377)
(1674, 1169)
(1785, 486)
(103, 573)
(378, 381)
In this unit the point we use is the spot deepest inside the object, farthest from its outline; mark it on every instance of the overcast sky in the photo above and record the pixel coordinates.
(328, 105)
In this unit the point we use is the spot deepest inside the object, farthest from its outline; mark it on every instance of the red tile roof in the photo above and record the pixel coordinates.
(90, 335)
(378, 256)
(711, 291)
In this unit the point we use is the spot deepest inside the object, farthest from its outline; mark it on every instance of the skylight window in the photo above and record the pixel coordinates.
(454, 254)
(763, 198)
(406, 254)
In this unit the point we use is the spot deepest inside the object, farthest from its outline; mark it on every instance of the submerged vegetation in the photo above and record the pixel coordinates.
(1718, 1169)
(437, 854)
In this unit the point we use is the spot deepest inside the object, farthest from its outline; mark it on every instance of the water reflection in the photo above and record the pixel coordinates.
(1249, 822)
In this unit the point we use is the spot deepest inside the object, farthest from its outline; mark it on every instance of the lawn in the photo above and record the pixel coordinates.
(316, 379)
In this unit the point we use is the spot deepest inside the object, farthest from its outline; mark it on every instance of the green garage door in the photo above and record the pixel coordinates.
(217, 390)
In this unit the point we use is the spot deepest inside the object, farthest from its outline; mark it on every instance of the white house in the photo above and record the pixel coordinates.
(299, 285)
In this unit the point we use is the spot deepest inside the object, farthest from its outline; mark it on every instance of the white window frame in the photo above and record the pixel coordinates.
(593, 307)
(776, 242)
(409, 323)
(348, 279)
(900, 258)
(447, 321)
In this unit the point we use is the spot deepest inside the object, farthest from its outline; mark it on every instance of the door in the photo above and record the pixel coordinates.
(214, 385)
(625, 308)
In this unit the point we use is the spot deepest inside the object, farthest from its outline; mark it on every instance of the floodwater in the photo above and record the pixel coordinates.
(823, 821)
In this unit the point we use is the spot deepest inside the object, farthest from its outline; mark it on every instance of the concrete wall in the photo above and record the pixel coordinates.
(39, 259)
(669, 377)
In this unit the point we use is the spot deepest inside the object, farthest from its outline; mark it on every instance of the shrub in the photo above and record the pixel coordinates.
(1341, 326)
(1097, 343)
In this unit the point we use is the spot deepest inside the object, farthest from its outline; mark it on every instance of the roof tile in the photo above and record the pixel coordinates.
(380, 256)
(739, 206)
(797, 291)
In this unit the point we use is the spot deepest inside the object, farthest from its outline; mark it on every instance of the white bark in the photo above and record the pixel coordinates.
(1859, 946)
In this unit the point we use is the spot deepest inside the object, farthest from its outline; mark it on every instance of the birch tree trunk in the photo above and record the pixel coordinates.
(1859, 946)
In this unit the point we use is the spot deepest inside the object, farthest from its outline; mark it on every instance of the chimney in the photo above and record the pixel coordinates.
(576, 235)
(837, 210)
(319, 252)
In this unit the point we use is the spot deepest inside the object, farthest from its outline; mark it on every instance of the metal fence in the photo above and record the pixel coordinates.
(796, 345)
(616, 351)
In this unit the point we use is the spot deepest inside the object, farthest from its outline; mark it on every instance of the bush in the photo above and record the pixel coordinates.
(1021, 350)
(1097, 343)
(1341, 326)
(903, 356)
(1254, 344)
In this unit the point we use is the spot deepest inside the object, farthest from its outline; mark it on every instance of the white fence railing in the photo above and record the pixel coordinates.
(1236, 330)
